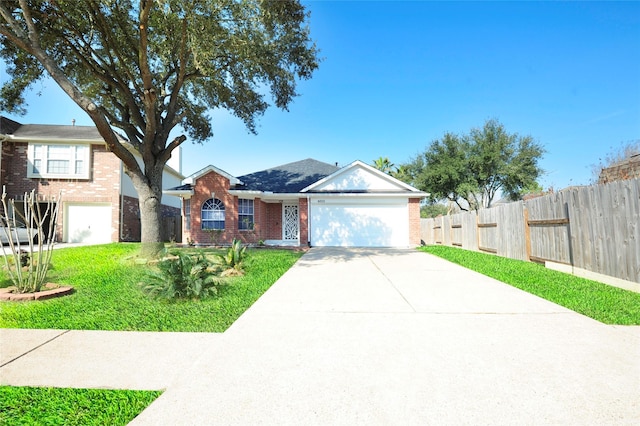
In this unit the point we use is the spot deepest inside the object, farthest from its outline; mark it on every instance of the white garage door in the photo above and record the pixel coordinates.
(88, 223)
(349, 222)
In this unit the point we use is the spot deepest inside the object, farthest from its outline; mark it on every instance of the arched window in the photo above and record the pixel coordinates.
(213, 214)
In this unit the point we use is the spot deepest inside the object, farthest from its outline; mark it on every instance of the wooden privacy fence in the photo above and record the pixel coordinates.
(595, 228)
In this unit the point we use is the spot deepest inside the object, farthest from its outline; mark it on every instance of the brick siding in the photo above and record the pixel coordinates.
(627, 169)
(414, 221)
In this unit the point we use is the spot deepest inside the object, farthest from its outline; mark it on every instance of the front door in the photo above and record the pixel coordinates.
(290, 222)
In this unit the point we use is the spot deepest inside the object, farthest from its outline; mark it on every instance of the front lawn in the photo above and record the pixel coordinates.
(108, 297)
(60, 406)
(602, 302)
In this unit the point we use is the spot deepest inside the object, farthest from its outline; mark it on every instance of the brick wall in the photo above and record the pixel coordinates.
(414, 221)
(274, 221)
(627, 169)
(303, 212)
(130, 219)
(219, 185)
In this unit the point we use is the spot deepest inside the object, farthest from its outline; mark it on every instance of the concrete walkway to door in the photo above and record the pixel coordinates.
(366, 336)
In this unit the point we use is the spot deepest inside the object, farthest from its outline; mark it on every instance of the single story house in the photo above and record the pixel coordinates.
(303, 203)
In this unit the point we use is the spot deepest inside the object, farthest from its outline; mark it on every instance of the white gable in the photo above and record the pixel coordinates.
(359, 177)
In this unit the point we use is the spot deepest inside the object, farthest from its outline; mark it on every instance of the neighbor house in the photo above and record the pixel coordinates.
(99, 202)
(628, 168)
(298, 204)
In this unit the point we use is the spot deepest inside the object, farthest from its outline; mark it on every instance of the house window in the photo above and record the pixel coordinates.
(58, 161)
(187, 213)
(245, 214)
(213, 214)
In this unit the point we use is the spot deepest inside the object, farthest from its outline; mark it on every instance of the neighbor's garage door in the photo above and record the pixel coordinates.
(87, 223)
(367, 222)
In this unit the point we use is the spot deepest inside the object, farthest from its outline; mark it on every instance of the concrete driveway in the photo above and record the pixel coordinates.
(359, 336)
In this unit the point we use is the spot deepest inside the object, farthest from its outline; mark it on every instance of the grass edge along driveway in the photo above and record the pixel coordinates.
(602, 302)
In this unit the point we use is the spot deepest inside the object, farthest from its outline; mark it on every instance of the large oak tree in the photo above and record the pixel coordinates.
(148, 67)
(478, 166)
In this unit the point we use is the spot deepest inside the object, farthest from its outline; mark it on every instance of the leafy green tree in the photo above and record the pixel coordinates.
(472, 169)
(442, 170)
(148, 67)
(433, 209)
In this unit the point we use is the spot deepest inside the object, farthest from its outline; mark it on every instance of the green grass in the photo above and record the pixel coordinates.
(108, 296)
(64, 406)
(604, 303)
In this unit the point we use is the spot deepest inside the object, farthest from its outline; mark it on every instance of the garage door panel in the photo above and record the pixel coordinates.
(359, 225)
(88, 223)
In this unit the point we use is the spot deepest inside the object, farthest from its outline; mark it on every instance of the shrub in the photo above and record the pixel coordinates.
(182, 276)
(232, 262)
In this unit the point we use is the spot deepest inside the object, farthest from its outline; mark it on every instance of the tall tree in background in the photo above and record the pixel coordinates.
(477, 167)
(148, 66)
(384, 165)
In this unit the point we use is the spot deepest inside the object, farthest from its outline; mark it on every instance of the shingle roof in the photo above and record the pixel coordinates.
(7, 126)
(58, 132)
(288, 178)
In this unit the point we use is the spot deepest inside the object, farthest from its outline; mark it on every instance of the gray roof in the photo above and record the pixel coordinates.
(288, 178)
(50, 131)
(46, 131)
(8, 126)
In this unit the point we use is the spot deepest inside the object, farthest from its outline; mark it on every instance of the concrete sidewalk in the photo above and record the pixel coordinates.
(357, 336)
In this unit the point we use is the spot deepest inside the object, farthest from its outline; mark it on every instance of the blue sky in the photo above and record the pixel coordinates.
(397, 75)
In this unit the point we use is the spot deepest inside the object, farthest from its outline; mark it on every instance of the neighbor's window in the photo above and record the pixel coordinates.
(213, 214)
(245, 214)
(58, 161)
(187, 213)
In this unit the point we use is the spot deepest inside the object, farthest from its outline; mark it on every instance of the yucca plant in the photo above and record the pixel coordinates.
(232, 262)
(182, 276)
(28, 255)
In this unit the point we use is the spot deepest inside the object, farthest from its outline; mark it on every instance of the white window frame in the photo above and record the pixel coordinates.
(187, 213)
(213, 211)
(75, 153)
(246, 214)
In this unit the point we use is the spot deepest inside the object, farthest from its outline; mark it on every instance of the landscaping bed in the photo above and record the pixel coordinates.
(108, 296)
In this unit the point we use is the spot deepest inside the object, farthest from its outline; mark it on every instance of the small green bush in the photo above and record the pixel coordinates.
(232, 262)
(182, 276)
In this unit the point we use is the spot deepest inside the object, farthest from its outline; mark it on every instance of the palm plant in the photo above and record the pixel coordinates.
(182, 276)
(232, 262)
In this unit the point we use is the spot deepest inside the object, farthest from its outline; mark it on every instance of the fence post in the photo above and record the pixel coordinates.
(527, 233)
(478, 229)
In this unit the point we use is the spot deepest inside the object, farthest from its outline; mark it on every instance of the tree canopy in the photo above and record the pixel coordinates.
(478, 166)
(146, 67)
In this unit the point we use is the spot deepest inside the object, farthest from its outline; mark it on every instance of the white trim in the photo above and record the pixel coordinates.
(43, 173)
(368, 168)
(183, 193)
(210, 168)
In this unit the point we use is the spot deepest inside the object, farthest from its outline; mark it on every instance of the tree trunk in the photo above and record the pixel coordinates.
(149, 188)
